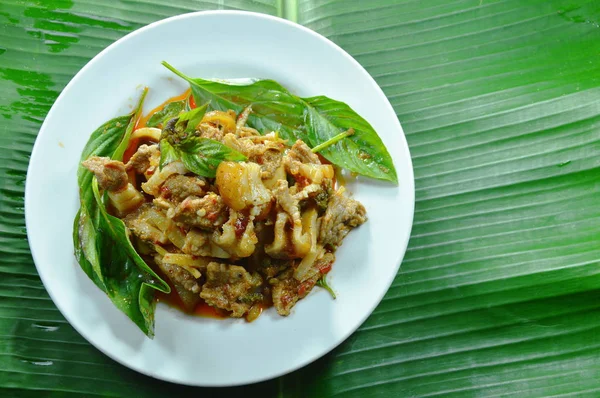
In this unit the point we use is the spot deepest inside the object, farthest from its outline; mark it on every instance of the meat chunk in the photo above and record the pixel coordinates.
(145, 160)
(342, 214)
(147, 224)
(306, 166)
(292, 236)
(287, 291)
(111, 174)
(241, 187)
(178, 187)
(112, 177)
(266, 151)
(271, 267)
(300, 152)
(211, 132)
(152, 186)
(198, 243)
(231, 288)
(237, 237)
(185, 284)
(207, 212)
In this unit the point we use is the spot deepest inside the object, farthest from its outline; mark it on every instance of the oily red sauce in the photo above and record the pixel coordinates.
(173, 300)
(202, 309)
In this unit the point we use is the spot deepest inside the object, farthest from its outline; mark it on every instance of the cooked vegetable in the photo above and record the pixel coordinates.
(313, 120)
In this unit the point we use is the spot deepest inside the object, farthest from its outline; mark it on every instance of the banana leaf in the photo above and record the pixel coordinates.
(499, 292)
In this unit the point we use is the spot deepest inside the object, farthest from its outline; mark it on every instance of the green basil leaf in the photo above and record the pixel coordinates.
(84, 242)
(313, 120)
(363, 152)
(101, 244)
(199, 155)
(130, 282)
(188, 121)
(168, 154)
(118, 154)
(202, 156)
(273, 107)
(103, 142)
(171, 110)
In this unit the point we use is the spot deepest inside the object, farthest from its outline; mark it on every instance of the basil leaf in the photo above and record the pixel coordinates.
(188, 121)
(130, 282)
(101, 244)
(171, 110)
(168, 154)
(202, 156)
(273, 107)
(362, 152)
(313, 120)
(118, 154)
(199, 155)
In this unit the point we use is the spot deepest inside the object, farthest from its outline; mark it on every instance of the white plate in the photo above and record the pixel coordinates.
(203, 351)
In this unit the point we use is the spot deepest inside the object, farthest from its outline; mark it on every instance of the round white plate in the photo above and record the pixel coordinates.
(204, 351)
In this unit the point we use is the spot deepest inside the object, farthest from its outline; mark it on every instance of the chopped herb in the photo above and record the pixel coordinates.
(323, 283)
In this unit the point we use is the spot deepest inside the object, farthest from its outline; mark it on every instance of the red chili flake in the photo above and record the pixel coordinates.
(301, 181)
(165, 192)
(212, 216)
(192, 102)
(302, 290)
(305, 287)
(182, 230)
(285, 300)
(240, 226)
(325, 268)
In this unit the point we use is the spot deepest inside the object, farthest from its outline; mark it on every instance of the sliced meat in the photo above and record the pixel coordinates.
(178, 187)
(237, 236)
(240, 185)
(198, 243)
(342, 214)
(185, 284)
(292, 239)
(305, 166)
(145, 160)
(266, 151)
(271, 267)
(143, 224)
(111, 174)
(300, 152)
(207, 212)
(209, 131)
(287, 291)
(231, 288)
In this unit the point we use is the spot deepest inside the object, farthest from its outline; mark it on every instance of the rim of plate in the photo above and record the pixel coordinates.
(409, 180)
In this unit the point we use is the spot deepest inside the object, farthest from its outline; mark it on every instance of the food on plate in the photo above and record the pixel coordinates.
(226, 198)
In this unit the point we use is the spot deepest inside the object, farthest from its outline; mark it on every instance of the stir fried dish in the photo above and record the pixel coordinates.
(216, 205)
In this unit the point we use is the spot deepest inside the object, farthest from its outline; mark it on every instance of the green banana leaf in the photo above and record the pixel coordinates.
(499, 292)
